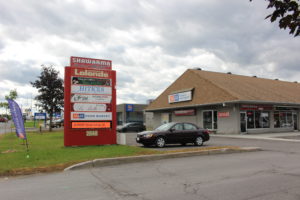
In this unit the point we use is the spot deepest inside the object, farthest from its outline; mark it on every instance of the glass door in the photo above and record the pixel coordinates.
(210, 119)
(243, 119)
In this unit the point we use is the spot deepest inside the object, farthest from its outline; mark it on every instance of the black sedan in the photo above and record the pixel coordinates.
(172, 133)
(132, 126)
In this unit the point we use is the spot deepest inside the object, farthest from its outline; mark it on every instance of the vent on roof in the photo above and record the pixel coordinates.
(197, 68)
(228, 72)
(276, 79)
(254, 76)
(295, 81)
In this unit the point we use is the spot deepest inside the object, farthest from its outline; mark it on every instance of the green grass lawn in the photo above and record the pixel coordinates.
(47, 150)
(30, 124)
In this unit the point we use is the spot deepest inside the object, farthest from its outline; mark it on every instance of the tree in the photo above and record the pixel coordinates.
(288, 13)
(50, 87)
(13, 94)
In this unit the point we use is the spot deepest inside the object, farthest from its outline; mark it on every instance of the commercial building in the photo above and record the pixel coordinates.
(227, 103)
(130, 113)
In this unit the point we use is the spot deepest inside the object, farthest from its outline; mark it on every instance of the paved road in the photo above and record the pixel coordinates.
(270, 174)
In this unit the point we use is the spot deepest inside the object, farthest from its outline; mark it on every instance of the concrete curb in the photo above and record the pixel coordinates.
(257, 138)
(134, 159)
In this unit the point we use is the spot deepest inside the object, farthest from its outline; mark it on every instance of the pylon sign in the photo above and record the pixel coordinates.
(90, 104)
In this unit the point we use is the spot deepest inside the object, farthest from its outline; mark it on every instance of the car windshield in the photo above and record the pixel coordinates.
(165, 127)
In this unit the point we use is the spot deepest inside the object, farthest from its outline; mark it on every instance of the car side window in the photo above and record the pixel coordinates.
(189, 127)
(178, 127)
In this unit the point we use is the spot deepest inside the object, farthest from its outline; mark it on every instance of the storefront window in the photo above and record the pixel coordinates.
(250, 119)
(276, 120)
(265, 119)
(262, 119)
(289, 119)
(258, 119)
(215, 119)
(210, 119)
(283, 119)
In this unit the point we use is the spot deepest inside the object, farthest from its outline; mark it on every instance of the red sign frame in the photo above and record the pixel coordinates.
(81, 136)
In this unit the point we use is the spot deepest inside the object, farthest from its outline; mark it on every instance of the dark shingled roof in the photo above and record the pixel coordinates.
(214, 87)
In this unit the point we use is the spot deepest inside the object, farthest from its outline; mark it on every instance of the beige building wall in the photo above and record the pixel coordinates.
(230, 124)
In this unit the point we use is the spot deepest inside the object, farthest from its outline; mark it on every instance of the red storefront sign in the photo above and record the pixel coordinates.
(90, 106)
(256, 107)
(184, 112)
(223, 114)
(91, 63)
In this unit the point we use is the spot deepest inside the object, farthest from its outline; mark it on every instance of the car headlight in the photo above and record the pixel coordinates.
(148, 135)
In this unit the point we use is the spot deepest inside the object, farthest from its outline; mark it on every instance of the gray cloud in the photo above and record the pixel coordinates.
(124, 80)
(17, 72)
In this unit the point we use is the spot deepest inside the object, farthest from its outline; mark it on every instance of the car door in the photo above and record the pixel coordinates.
(190, 132)
(174, 135)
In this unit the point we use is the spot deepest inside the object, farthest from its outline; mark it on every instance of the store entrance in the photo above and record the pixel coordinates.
(295, 119)
(243, 119)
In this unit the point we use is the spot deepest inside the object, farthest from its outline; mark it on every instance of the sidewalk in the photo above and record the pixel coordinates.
(288, 136)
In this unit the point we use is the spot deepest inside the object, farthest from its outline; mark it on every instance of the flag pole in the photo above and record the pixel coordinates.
(18, 120)
(27, 149)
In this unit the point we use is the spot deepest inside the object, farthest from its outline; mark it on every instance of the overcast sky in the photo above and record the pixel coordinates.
(150, 42)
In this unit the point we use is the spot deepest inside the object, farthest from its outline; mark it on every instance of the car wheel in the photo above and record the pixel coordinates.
(198, 141)
(160, 142)
(124, 130)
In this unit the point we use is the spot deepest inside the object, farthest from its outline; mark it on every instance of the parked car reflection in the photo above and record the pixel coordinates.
(132, 126)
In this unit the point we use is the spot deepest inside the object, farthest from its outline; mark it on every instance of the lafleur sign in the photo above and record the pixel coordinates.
(223, 114)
